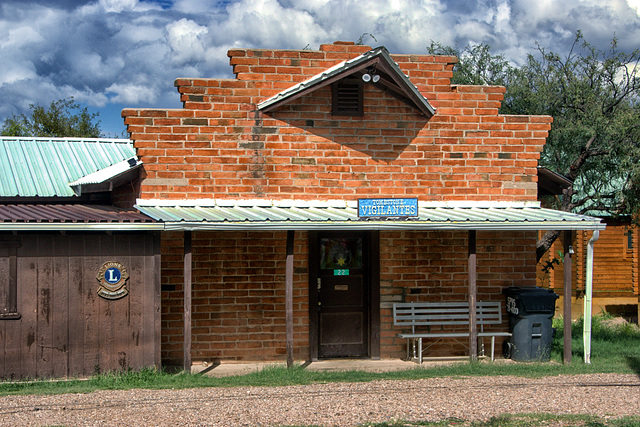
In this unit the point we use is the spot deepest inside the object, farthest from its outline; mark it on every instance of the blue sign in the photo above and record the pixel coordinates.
(112, 275)
(383, 208)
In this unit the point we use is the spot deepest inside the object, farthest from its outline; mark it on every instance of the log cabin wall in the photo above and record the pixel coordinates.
(64, 328)
(615, 271)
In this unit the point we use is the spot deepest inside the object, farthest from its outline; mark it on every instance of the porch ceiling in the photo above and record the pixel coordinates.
(333, 215)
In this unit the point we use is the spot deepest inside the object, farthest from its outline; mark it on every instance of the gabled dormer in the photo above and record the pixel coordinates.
(375, 67)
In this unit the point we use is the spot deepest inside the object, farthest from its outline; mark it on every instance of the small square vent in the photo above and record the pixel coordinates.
(348, 97)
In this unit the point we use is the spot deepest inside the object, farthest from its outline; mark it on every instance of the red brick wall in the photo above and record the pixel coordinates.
(432, 266)
(238, 299)
(220, 146)
(238, 291)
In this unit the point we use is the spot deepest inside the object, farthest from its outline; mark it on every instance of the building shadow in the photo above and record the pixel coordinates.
(634, 364)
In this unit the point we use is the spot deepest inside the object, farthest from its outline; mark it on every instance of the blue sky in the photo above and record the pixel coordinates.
(115, 54)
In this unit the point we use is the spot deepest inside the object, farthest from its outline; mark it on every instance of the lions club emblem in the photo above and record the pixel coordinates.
(112, 278)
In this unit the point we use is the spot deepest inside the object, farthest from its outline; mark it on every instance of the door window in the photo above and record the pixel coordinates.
(340, 253)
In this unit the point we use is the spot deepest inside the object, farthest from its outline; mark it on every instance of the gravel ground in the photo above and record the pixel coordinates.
(335, 404)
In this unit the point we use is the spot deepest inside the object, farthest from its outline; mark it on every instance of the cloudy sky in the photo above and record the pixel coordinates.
(113, 54)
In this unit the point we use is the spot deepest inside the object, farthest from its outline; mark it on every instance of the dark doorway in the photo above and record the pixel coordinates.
(341, 294)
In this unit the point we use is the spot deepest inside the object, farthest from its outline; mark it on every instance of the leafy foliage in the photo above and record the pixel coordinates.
(477, 66)
(63, 118)
(594, 99)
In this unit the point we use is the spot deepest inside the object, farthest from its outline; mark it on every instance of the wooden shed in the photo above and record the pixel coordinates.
(79, 277)
(616, 269)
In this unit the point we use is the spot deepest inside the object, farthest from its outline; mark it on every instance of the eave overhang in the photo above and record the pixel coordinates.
(108, 178)
(340, 215)
(392, 80)
(73, 217)
(551, 183)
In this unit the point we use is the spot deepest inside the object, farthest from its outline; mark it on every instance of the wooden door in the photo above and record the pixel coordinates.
(342, 290)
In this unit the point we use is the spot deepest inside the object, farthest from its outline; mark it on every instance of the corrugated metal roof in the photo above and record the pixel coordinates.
(107, 173)
(240, 215)
(44, 167)
(380, 57)
(67, 217)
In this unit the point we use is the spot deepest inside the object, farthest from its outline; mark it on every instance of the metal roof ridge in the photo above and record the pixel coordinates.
(65, 139)
(104, 174)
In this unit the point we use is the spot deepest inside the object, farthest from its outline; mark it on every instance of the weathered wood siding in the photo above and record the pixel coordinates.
(65, 328)
(615, 264)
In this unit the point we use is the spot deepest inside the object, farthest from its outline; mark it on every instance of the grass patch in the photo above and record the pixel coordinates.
(523, 420)
(615, 346)
(615, 349)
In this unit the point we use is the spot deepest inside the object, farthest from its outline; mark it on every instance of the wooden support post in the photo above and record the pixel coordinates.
(187, 302)
(289, 297)
(473, 291)
(567, 297)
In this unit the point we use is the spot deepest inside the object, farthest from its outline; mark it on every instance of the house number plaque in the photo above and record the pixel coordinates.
(112, 278)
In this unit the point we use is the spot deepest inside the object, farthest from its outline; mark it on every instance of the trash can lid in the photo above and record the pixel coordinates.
(515, 291)
(529, 300)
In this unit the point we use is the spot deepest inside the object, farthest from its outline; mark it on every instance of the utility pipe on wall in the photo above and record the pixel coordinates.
(588, 290)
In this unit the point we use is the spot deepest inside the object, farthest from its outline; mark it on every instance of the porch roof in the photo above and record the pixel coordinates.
(68, 217)
(331, 215)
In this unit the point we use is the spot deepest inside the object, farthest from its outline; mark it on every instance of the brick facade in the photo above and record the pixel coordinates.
(238, 296)
(220, 146)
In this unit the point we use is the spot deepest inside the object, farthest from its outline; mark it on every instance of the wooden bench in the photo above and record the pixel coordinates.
(429, 319)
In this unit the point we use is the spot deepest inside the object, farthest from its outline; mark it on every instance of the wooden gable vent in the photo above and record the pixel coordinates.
(347, 97)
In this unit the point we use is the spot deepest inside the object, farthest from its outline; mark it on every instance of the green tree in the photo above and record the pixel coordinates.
(593, 97)
(63, 118)
(477, 66)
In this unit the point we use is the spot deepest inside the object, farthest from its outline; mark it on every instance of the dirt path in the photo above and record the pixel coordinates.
(335, 404)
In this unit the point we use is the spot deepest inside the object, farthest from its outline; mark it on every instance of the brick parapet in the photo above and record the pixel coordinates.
(219, 146)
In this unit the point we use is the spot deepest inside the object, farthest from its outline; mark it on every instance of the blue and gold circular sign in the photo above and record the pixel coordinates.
(112, 278)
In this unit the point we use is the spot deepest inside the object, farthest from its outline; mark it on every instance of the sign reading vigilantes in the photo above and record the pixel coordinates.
(382, 208)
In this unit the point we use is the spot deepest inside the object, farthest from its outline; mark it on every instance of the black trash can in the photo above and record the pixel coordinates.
(530, 310)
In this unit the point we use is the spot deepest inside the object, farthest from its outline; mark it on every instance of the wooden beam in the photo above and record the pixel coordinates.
(157, 300)
(473, 296)
(187, 302)
(289, 296)
(567, 297)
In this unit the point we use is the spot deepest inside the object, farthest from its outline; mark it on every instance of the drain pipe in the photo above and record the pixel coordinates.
(588, 291)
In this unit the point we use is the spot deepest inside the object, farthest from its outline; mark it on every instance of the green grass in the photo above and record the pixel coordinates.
(523, 420)
(614, 350)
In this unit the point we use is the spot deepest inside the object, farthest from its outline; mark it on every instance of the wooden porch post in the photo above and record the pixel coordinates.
(473, 331)
(289, 297)
(567, 296)
(187, 302)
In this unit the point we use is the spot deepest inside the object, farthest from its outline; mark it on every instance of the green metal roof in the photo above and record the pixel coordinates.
(334, 215)
(44, 167)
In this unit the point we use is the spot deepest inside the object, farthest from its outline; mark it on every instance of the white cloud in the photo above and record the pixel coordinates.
(186, 40)
(132, 94)
(131, 51)
(118, 6)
